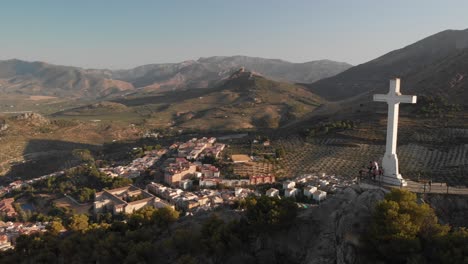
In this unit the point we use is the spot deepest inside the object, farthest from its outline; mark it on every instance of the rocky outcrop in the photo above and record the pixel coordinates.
(351, 221)
(328, 233)
(34, 119)
(344, 218)
(3, 125)
(450, 209)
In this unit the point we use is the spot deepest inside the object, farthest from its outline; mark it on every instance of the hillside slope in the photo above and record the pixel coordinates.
(428, 66)
(39, 78)
(242, 101)
(448, 78)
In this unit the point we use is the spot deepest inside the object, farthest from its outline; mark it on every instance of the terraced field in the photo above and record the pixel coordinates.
(337, 156)
(447, 165)
(253, 168)
(303, 157)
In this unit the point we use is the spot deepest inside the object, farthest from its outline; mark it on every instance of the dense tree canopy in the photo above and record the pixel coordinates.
(153, 236)
(78, 223)
(265, 213)
(405, 231)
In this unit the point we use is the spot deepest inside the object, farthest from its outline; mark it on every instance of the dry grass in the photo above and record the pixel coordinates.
(66, 202)
(27, 151)
(41, 97)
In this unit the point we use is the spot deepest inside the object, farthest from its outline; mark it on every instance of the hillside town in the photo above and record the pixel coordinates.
(183, 181)
(10, 231)
(208, 132)
(191, 186)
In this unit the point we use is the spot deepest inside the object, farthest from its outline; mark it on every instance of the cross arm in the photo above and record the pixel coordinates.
(381, 98)
(409, 99)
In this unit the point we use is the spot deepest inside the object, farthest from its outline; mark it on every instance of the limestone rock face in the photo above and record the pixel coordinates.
(341, 230)
(450, 209)
(33, 119)
(351, 221)
(328, 233)
(3, 125)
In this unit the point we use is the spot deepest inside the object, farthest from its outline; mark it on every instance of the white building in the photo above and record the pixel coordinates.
(241, 192)
(272, 192)
(319, 195)
(208, 183)
(324, 182)
(238, 191)
(216, 200)
(289, 184)
(186, 184)
(309, 191)
(235, 183)
(291, 192)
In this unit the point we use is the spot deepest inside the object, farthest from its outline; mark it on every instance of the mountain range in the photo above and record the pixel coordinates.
(436, 65)
(205, 71)
(39, 78)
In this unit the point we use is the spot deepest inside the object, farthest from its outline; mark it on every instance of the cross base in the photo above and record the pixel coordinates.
(390, 169)
(392, 180)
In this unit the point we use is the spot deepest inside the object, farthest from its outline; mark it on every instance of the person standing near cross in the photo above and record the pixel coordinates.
(393, 98)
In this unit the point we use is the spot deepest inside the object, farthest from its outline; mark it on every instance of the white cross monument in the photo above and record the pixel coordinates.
(391, 174)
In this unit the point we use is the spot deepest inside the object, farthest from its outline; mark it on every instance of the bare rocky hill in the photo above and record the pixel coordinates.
(242, 101)
(39, 78)
(206, 71)
(32, 119)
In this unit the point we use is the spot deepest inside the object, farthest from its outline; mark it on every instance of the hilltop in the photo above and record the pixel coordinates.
(244, 100)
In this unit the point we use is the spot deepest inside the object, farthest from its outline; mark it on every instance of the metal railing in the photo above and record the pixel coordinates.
(426, 186)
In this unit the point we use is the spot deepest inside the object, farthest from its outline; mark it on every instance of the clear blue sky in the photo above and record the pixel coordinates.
(126, 33)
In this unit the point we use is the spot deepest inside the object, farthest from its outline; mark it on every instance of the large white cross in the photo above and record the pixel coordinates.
(390, 160)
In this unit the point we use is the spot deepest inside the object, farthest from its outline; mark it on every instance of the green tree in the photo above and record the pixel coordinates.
(186, 259)
(401, 227)
(141, 217)
(163, 217)
(280, 153)
(449, 249)
(78, 223)
(86, 194)
(118, 182)
(264, 213)
(84, 155)
(55, 227)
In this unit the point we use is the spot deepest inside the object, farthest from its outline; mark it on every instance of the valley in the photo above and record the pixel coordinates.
(227, 132)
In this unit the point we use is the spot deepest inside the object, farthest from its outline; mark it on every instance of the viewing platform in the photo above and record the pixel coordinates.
(418, 187)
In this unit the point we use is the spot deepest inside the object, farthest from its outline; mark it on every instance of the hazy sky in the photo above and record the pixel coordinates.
(122, 34)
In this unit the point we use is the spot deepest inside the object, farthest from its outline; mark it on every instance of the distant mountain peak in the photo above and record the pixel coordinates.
(243, 73)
